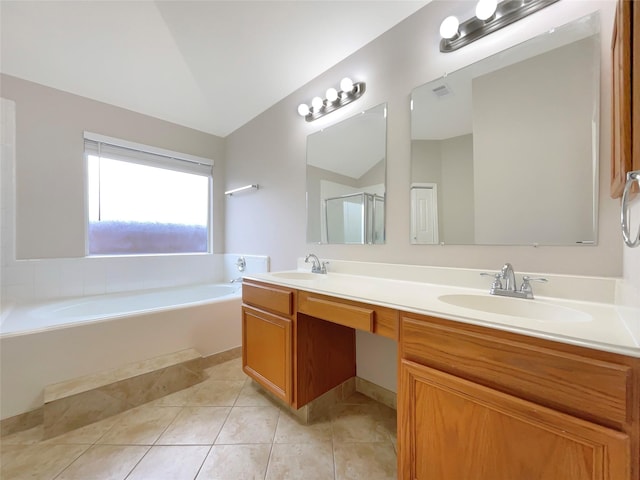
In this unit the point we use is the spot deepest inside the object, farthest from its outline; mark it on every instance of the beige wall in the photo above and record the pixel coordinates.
(50, 218)
(458, 218)
(551, 88)
(270, 150)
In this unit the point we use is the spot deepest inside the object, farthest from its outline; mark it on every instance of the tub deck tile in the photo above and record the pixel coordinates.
(79, 402)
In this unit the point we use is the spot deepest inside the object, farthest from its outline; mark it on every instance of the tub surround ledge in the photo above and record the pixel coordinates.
(85, 400)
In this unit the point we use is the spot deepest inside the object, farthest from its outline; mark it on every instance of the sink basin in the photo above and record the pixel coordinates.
(516, 307)
(297, 275)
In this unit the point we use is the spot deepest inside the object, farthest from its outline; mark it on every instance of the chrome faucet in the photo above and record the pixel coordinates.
(509, 277)
(316, 265)
(509, 287)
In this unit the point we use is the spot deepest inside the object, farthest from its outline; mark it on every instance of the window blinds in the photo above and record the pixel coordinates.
(116, 149)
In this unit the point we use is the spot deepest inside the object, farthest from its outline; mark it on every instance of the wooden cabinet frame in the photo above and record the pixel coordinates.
(625, 118)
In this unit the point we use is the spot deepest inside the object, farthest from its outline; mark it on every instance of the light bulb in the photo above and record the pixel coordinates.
(346, 85)
(449, 27)
(486, 8)
(317, 104)
(332, 94)
(303, 109)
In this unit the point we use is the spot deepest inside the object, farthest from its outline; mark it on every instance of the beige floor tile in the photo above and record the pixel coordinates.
(104, 462)
(231, 370)
(216, 393)
(301, 461)
(195, 426)
(290, 430)
(357, 461)
(9, 452)
(253, 439)
(170, 463)
(363, 423)
(140, 426)
(252, 395)
(236, 462)
(247, 425)
(38, 462)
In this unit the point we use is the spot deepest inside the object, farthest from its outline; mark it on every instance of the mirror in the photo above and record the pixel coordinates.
(505, 151)
(346, 171)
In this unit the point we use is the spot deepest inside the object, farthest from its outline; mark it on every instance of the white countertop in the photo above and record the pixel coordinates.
(602, 326)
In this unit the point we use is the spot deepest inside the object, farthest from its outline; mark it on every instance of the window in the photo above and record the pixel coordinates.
(143, 200)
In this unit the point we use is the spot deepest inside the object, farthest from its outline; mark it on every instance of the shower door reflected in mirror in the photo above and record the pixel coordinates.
(355, 218)
(511, 142)
(346, 171)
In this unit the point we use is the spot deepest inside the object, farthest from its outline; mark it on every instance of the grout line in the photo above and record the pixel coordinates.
(72, 462)
(203, 461)
(138, 462)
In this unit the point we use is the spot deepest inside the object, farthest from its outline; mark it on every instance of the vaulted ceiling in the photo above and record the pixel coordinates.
(209, 65)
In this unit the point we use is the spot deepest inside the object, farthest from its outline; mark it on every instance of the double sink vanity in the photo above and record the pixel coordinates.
(489, 387)
(493, 382)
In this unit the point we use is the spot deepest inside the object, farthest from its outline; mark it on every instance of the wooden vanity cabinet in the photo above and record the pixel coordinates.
(482, 404)
(267, 337)
(625, 50)
(292, 353)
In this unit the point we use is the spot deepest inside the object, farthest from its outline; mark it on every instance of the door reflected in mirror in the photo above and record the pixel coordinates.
(346, 172)
(505, 151)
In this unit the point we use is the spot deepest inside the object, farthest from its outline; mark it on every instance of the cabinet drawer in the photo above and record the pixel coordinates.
(382, 321)
(269, 297)
(335, 311)
(591, 388)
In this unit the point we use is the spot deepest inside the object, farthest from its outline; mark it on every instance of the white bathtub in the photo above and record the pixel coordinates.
(56, 341)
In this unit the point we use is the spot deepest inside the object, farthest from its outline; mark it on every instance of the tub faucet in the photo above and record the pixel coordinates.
(316, 265)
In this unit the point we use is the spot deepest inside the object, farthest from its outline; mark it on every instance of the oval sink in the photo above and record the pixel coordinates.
(297, 275)
(517, 307)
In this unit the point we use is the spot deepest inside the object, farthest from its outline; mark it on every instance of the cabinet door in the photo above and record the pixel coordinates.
(451, 428)
(266, 351)
(625, 142)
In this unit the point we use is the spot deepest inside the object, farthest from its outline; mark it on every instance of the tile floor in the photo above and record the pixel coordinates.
(223, 428)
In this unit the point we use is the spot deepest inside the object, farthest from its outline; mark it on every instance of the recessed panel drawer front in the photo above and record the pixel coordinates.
(587, 387)
(336, 311)
(269, 297)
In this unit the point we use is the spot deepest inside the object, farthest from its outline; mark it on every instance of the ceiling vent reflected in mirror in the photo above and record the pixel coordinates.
(442, 91)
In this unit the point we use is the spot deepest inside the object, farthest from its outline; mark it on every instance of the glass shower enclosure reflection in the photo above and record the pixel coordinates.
(356, 218)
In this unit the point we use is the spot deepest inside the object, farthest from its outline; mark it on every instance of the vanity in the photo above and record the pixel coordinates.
(481, 395)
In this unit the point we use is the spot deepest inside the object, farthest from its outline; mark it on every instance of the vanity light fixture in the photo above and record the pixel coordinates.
(491, 15)
(334, 99)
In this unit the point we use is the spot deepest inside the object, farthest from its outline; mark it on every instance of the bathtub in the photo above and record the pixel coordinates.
(46, 343)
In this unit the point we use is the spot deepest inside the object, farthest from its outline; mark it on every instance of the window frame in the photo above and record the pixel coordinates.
(167, 159)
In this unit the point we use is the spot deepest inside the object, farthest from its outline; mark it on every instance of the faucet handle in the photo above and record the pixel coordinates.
(526, 283)
(323, 269)
(497, 279)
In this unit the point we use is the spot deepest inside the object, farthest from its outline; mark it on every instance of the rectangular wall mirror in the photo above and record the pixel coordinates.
(346, 172)
(505, 151)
